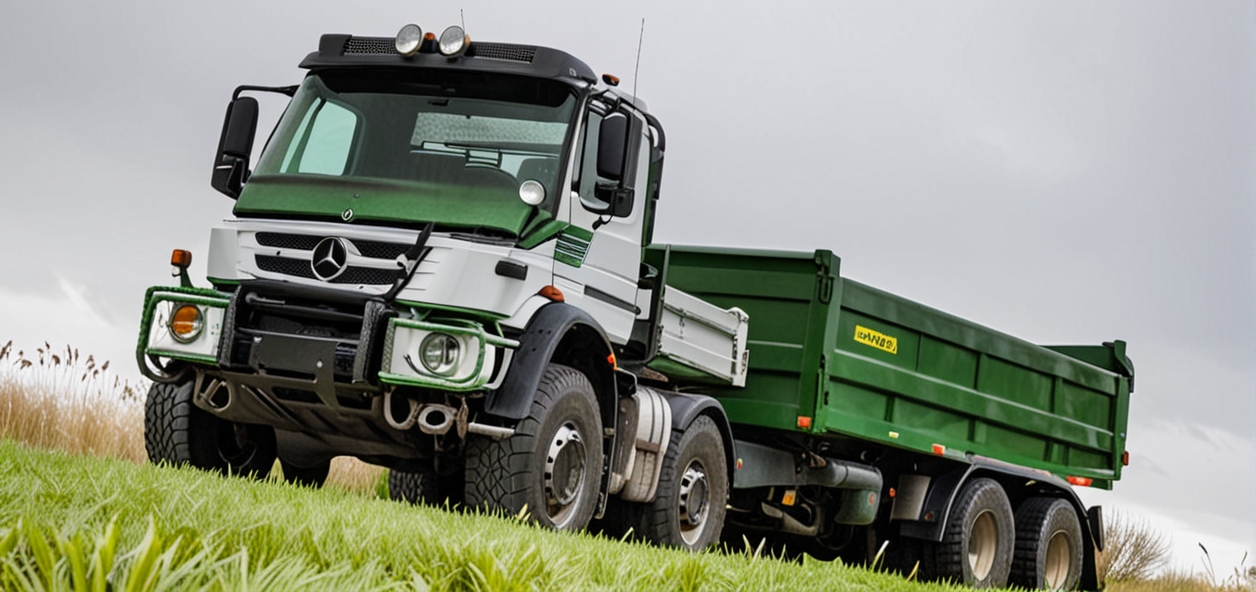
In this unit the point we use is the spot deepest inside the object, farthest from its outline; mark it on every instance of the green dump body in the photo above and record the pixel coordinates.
(831, 357)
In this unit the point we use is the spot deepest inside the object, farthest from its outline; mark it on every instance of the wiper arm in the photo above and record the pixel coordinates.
(412, 256)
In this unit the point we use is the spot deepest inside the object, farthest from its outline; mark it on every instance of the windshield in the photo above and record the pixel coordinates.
(447, 129)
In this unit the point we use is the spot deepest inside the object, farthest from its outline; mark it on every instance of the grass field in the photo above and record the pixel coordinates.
(80, 509)
(69, 519)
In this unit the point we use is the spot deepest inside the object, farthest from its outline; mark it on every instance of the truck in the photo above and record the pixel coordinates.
(443, 263)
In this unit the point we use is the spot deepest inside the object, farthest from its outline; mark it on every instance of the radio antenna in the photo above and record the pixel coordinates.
(637, 68)
(463, 19)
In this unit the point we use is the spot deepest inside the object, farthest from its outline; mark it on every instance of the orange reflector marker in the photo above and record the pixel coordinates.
(1125, 458)
(612, 361)
(610, 79)
(552, 293)
(739, 464)
(804, 422)
(790, 498)
(186, 323)
(429, 36)
(939, 449)
(180, 258)
(1081, 481)
(893, 493)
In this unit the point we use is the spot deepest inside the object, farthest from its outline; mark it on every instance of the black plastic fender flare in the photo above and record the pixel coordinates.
(686, 407)
(1015, 480)
(538, 345)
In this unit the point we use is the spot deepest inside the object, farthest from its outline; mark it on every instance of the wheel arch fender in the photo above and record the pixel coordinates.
(1019, 483)
(687, 407)
(558, 333)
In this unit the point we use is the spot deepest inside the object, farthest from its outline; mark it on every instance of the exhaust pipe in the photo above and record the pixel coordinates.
(490, 431)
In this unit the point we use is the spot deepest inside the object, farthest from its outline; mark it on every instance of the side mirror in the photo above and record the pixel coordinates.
(231, 167)
(619, 138)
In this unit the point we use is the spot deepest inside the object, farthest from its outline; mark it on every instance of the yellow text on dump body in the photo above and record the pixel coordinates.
(876, 339)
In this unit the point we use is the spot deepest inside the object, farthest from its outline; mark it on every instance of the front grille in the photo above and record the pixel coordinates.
(502, 51)
(307, 242)
(295, 267)
(301, 268)
(366, 275)
(378, 250)
(303, 242)
(371, 45)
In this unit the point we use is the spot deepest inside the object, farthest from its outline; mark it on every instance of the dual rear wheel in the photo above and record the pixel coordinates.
(985, 546)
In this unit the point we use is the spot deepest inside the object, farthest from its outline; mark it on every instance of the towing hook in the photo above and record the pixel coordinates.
(436, 419)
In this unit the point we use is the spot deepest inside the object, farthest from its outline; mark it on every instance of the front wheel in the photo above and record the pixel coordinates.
(178, 432)
(976, 547)
(692, 495)
(552, 465)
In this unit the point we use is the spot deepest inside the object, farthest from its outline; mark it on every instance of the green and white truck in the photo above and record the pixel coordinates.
(442, 263)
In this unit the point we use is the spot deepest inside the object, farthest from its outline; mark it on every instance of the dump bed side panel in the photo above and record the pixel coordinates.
(779, 292)
(908, 375)
(861, 363)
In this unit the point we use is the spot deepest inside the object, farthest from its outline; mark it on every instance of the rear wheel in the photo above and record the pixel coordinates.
(688, 508)
(178, 432)
(976, 548)
(1048, 545)
(552, 465)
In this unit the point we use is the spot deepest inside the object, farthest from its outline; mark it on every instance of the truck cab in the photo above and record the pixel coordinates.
(440, 242)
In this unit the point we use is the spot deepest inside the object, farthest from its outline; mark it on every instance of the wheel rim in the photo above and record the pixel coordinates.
(564, 474)
(236, 445)
(982, 544)
(1059, 554)
(694, 501)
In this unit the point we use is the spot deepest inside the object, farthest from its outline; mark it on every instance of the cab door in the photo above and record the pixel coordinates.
(598, 257)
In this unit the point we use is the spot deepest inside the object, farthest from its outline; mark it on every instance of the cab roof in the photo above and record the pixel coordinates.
(337, 51)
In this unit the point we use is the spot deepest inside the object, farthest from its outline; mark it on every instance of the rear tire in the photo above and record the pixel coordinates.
(976, 548)
(692, 496)
(552, 465)
(178, 432)
(1048, 545)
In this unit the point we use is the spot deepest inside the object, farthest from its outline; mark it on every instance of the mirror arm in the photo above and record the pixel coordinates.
(283, 90)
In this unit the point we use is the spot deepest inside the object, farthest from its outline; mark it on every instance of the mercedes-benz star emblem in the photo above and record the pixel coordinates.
(330, 256)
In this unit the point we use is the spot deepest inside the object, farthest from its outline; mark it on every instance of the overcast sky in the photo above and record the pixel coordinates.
(1068, 172)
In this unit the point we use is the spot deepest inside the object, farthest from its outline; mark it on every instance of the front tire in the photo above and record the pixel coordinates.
(976, 548)
(178, 432)
(552, 465)
(1048, 545)
(692, 496)
(419, 487)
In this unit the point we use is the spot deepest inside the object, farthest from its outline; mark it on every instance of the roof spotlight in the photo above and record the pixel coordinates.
(454, 42)
(409, 38)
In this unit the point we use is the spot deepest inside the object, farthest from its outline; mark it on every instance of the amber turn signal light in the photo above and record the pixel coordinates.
(180, 258)
(552, 293)
(186, 323)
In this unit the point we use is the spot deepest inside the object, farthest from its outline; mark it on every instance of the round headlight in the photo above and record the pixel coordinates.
(531, 192)
(186, 322)
(440, 353)
(454, 41)
(409, 38)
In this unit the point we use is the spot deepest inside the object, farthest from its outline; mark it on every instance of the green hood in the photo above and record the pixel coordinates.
(377, 200)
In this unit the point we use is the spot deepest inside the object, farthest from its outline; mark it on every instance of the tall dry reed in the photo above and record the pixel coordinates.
(58, 400)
